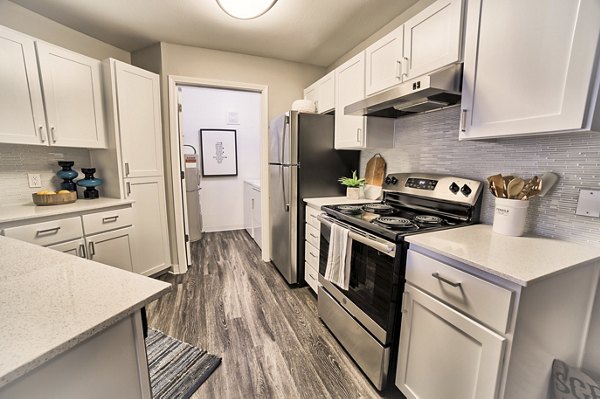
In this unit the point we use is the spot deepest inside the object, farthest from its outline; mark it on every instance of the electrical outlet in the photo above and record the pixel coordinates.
(35, 180)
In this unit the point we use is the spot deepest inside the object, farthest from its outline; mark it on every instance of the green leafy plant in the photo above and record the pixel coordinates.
(353, 181)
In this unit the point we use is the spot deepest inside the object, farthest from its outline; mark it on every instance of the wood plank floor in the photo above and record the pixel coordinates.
(271, 340)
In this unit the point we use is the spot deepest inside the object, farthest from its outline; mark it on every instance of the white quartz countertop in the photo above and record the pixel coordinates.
(12, 213)
(522, 260)
(319, 202)
(51, 301)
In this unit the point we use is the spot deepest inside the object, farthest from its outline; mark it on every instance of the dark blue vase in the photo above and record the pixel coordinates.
(67, 174)
(90, 183)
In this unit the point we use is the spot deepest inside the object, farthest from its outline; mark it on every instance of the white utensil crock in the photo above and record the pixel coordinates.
(509, 216)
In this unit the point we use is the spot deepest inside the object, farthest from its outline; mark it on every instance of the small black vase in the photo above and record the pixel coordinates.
(67, 174)
(90, 183)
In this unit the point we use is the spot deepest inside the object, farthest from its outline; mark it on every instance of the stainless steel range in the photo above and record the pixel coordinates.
(366, 318)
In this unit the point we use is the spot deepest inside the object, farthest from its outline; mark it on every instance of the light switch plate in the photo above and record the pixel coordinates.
(588, 203)
(34, 179)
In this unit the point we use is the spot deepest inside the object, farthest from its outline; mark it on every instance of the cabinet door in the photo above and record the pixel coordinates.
(444, 354)
(312, 93)
(75, 247)
(432, 38)
(349, 88)
(72, 94)
(138, 101)
(21, 107)
(149, 235)
(384, 62)
(112, 248)
(534, 77)
(326, 97)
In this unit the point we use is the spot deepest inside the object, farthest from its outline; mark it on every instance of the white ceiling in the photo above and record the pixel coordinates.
(311, 31)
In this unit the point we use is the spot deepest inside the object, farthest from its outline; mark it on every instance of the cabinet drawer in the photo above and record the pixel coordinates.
(311, 255)
(311, 276)
(313, 235)
(311, 216)
(480, 299)
(47, 233)
(108, 220)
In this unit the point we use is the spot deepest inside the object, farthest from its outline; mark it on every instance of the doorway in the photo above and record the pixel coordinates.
(226, 106)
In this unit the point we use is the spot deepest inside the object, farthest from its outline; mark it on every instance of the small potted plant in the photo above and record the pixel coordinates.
(353, 185)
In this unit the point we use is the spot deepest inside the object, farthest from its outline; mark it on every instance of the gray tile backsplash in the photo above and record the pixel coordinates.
(429, 143)
(18, 160)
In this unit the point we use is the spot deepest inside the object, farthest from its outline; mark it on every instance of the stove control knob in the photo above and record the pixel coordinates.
(466, 190)
(454, 188)
(388, 180)
(394, 180)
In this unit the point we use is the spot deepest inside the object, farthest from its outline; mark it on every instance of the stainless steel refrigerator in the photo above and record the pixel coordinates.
(302, 164)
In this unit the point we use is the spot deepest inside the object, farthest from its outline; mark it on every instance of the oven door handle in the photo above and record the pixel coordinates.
(377, 243)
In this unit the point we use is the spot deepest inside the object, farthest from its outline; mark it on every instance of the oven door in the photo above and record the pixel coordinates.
(375, 280)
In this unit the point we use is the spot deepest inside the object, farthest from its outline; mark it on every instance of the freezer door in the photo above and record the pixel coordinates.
(283, 220)
(279, 140)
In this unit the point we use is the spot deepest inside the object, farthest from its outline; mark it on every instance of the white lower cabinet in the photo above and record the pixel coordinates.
(75, 247)
(111, 248)
(100, 236)
(312, 237)
(149, 239)
(469, 334)
(252, 212)
(445, 354)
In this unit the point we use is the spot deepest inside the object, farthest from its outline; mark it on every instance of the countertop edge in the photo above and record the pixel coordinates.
(81, 337)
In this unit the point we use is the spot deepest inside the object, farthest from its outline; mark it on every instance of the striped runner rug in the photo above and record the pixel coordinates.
(177, 369)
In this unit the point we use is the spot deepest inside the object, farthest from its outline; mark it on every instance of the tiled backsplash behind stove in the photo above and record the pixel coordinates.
(429, 143)
(18, 160)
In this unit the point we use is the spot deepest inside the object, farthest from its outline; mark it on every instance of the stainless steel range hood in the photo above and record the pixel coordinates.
(436, 90)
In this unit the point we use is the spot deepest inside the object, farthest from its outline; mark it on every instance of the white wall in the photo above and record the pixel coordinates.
(221, 198)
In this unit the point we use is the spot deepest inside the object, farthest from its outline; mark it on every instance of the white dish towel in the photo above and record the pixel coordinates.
(338, 257)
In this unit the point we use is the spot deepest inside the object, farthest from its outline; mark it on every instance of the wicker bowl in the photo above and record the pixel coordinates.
(54, 199)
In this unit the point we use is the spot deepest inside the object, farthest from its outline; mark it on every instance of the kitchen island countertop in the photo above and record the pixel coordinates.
(52, 301)
(522, 260)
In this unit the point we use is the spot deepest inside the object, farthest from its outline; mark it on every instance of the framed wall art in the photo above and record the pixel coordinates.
(219, 152)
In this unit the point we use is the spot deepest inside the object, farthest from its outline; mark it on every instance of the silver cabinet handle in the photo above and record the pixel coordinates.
(42, 137)
(252, 203)
(128, 185)
(445, 280)
(53, 134)
(126, 168)
(463, 121)
(110, 219)
(312, 235)
(398, 69)
(92, 250)
(313, 255)
(406, 65)
(82, 251)
(52, 230)
(358, 133)
(317, 105)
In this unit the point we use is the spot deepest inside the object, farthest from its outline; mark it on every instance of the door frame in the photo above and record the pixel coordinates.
(175, 167)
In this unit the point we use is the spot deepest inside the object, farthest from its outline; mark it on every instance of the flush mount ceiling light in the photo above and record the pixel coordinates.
(246, 9)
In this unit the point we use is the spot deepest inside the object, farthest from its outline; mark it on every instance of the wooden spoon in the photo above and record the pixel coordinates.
(514, 187)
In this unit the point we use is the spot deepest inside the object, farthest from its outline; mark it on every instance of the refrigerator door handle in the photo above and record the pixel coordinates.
(286, 204)
(284, 127)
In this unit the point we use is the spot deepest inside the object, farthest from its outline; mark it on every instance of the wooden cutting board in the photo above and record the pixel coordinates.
(375, 172)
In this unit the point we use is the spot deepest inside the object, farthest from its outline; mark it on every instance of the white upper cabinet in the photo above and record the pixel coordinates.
(529, 67)
(140, 132)
(322, 93)
(22, 119)
(384, 62)
(433, 38)
(350, 87)
(428, 41)
(72, 89)
(53, 97)
(356, 132)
